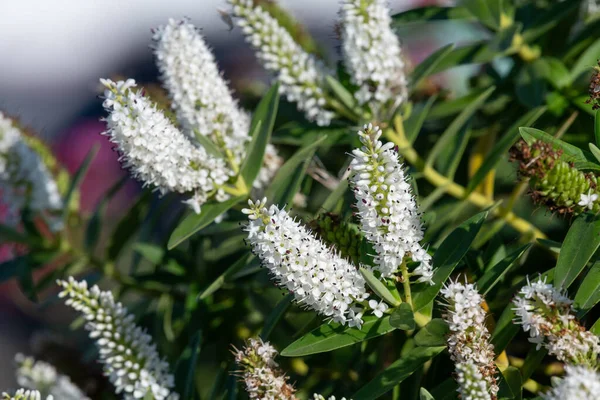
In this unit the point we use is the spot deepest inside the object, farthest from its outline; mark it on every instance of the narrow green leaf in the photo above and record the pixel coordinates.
(502, 147)
(208, 145)
(186, 367)
(595, 151)
(597, 127)
(488, 12)
(334, 197)
(341, 93)
(497, 272)
(129, 225)
(595, 329)
(580, 244)
(452, 154)
(505, 329)
(150, 252)
(332, 336)
(430, 13)
(425, 395)
(397, 372)
(413, 125)
(194, 222)
(403, 318)
(547, 20)
(286, 182)
(448, 107)
(378, 287)
(510, 384)
(261, 127)
(78, 178)
(427, 66)
(454, 128)
(586, 61)
(588, 294)
(276, 315)
(94, 226)
(433, 334)
(447, 257)
(532, 361)
(225, 276)
(9, 235)
(474, 53)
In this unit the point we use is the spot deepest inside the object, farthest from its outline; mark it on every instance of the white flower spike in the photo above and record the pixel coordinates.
(469, 342)
(24, 179)
(300, 75)
(548, 315)
(23, 394)
(386, 207)
(155, 151)
(372, 53)
(40, 375)
(319, 278)
(131, 361)
(200, 96)
(579, 383)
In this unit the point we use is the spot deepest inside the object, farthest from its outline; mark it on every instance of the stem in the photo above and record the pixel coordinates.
(342, 110)
(406, 283)
(456, 190)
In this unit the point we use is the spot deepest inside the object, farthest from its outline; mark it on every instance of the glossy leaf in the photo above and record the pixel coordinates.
(427, 66)
(334, 197)
(580, 244)
(447, 257)
(208, 145)
(227, 275)
(413, 125)
(186, 367)
(425, 395)
(510, 384)
(129, 225)
(588, 294)
(433, 334)
(332, 336)
(261, 127)
(488, 12)
(595, 151)
(278, 312)
(430, 13)
(586, 61)
(398, 371)
(378, 287)
(78, 178)
(497, 272)
(195, 222)
(403, 318)
(341, 93)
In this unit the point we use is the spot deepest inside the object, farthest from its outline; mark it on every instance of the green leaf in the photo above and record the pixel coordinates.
(341, 93)
(225, 276)
(586, 61)
(332, 336)
(286, 182)
(595, 329)
(403, 318)
(94, 226)
(447, 257)
(186, 367)
(497, 272)
(505, 329)
(261, 127)
(277, 313)
(208, 145)
(595, 151)
(580, 244)
(510, 384)
(588, 294)
(150, 252)
(378, 287)
(413, 125)
(475, 53)
(597, 127)
(433, 334)
(9, 235)
(194, 222)
(425, 395)
(454, 128)
(502, 147)
(78, 178)
(488, 12)
(427, 66)
(129, 225)
(334, 197)
(397, 372)
(530, 85)
(532, 362)
(452, 154)
(549, 19)
(450, 107)
(430, 13)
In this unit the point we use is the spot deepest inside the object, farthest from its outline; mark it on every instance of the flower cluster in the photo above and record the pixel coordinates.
(23, 394)
(318, 277)
(555, 182)
(547, 314)
(320, 397)
(386, 207)
(158, 153)
(200, 96)
(301, 76)
(469, 341)
(260, 372)
(372, 53)
(25, 181)
(131, 361)
(40, 375)
(579, 383)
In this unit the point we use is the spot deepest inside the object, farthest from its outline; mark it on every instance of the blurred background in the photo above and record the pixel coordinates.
(53, 54)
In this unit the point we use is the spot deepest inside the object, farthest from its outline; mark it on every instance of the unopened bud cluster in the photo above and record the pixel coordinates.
(555, 182)
(342, 235)
(548, 315)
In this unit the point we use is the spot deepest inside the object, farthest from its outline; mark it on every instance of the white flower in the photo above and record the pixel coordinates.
(201, 98)
(259, 371)
(587, 200)
(40, 375)
(301, 76)
(24, 179)
(379, 308)
(386, 207)
(372, 53)
(155, 151)
(579, 383)
(131, 361)
(469, 341)
(317, 396)
(23, 394)
(547, 314)
(319, 278)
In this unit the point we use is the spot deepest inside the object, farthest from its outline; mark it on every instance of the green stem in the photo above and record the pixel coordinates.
(406, 284)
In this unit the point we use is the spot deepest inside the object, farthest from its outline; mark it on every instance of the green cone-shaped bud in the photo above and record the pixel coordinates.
(342, 235)
(554, 182)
